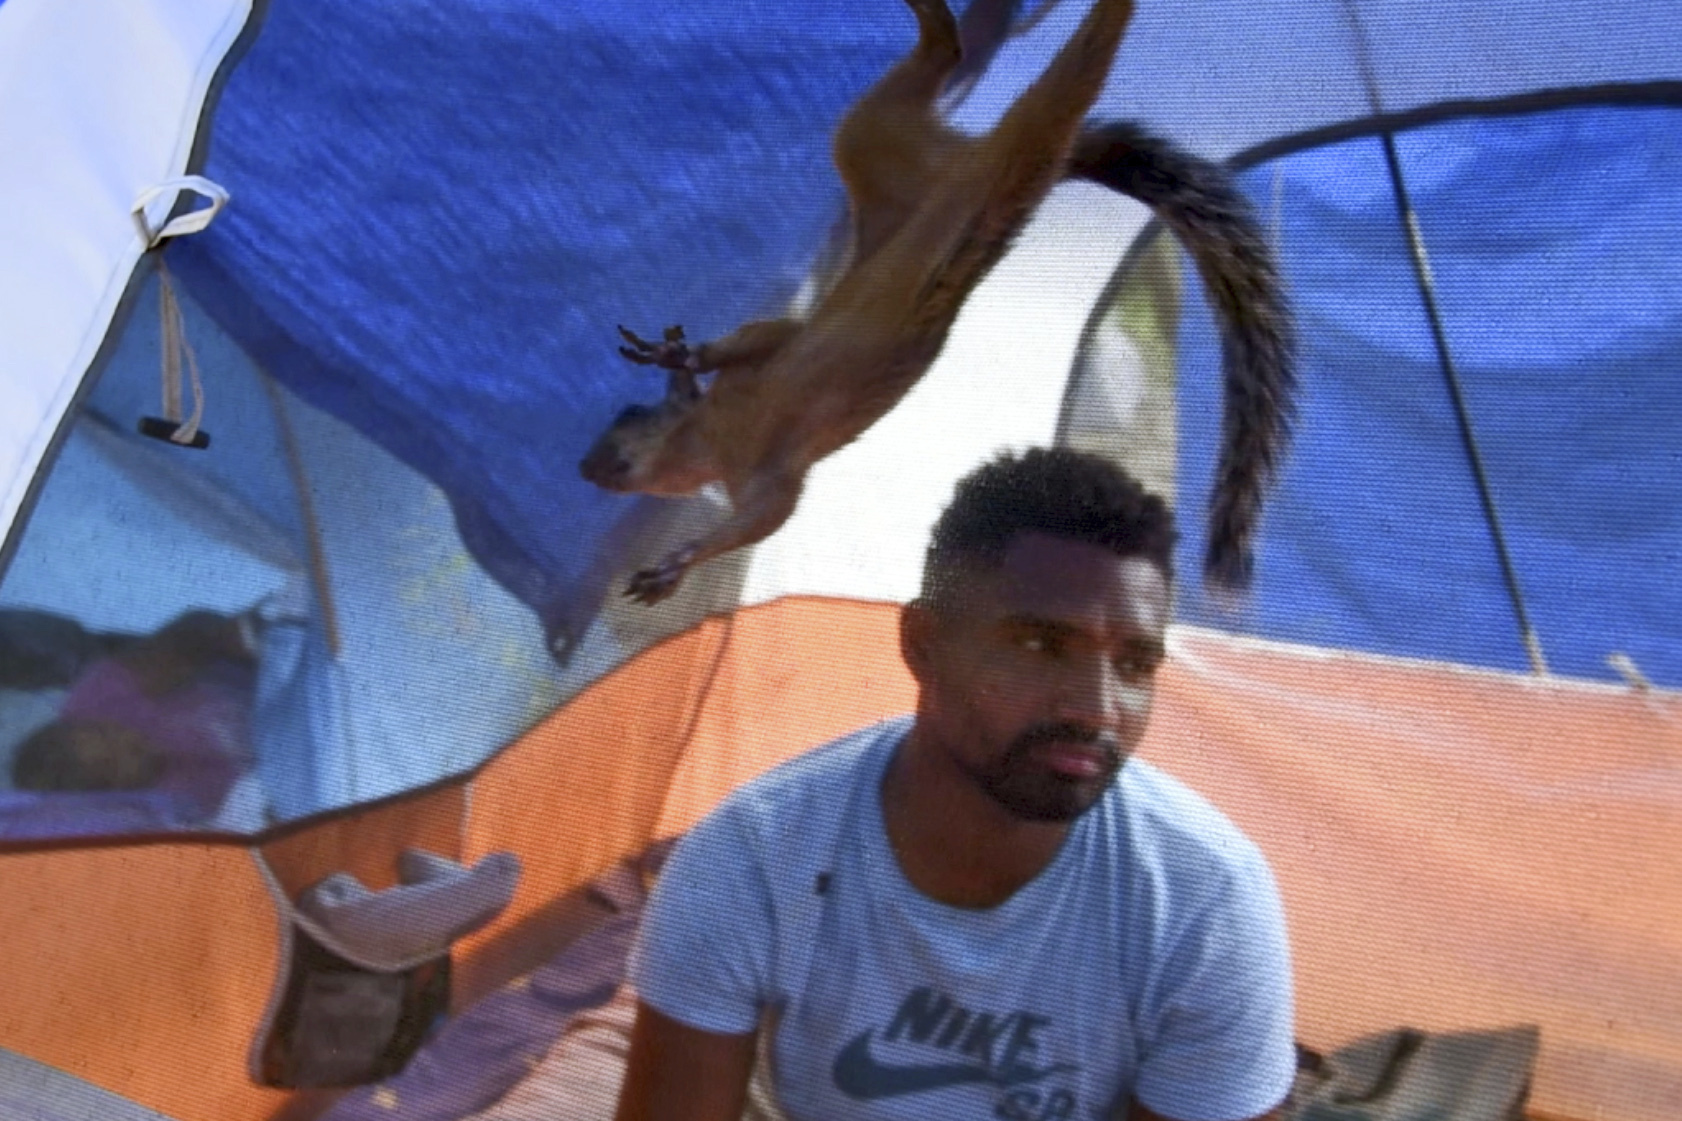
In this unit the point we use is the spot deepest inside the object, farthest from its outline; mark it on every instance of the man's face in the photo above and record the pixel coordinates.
(1038, 677)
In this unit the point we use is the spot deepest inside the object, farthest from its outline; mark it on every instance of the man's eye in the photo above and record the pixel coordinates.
(1035, 644)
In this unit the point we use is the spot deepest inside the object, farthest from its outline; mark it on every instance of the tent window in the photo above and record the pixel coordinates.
(135, 617)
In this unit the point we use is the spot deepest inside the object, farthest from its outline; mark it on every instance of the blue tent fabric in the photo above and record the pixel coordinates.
(1553, 242)
(440, 213)
(31, 1090)
(436, 227)
(403, 701)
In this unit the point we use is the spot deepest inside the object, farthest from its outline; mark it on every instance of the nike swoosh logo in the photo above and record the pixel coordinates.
(859, 1074)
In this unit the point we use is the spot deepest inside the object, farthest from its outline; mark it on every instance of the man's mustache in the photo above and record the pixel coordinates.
(1042, 734)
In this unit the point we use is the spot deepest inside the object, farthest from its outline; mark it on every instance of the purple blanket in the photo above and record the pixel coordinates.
(479, 1055)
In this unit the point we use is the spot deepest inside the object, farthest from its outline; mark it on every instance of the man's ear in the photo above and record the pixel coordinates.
(917, 625)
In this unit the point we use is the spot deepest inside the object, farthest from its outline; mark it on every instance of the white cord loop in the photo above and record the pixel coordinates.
(172, 326)
(189, 223)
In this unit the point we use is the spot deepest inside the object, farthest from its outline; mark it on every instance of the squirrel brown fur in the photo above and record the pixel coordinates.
(932, 211)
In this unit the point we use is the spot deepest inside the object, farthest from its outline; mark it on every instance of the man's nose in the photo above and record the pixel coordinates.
(1095, 694)
(1087, 693)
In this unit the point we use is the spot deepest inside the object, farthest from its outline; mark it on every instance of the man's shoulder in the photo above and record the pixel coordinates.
(1179, 833)
(800, 792)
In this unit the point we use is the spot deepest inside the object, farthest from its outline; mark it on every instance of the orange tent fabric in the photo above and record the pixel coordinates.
(1457, 849)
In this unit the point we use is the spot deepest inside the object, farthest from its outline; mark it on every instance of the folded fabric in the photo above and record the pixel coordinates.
(438, 902)
(579, 1078)
(479, 1055)
(1408, 1075)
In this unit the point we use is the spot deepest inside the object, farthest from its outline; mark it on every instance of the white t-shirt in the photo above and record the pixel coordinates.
(1148, 960)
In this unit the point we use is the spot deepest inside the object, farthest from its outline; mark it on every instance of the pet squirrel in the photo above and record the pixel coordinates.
(932, 211)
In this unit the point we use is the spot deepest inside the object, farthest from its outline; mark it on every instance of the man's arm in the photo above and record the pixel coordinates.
(680, 1073)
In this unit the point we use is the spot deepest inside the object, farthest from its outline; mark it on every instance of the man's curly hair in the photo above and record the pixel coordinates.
(1057, 491)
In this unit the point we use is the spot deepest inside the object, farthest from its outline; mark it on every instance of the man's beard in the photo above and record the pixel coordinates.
(1030, 791)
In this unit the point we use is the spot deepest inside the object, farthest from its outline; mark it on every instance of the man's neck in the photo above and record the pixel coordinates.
(953, 842)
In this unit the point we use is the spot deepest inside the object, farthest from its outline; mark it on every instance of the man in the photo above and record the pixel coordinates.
(981, 912)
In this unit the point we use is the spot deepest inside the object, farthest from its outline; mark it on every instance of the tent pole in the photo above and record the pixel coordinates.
(1428, 296)
(1445, 359)
(306, 509)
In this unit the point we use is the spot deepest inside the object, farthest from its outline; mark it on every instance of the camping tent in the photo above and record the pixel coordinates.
(403, 320)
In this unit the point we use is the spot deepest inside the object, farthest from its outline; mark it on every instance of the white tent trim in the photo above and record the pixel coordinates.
(128, 79)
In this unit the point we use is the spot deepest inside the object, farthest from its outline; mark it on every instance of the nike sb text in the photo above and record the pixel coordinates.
(998, 1050)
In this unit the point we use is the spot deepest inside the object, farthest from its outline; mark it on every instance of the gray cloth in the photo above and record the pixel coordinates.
(1407, 1075)
(34, 1091)
(437, 902)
